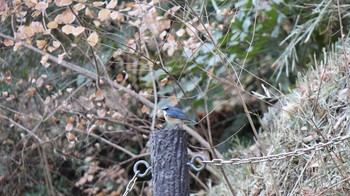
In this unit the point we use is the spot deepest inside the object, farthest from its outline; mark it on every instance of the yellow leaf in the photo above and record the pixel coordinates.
(61, 3)
(93, 39)
(98, 3)
(103, 14)
(52, 25)
(41, 44)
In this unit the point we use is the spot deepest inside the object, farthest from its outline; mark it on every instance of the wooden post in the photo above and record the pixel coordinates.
(169, 158)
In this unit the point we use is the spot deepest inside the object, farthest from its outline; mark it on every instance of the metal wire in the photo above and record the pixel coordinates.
(280, 156)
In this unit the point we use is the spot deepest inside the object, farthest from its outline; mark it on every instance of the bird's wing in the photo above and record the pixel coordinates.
(177, 113)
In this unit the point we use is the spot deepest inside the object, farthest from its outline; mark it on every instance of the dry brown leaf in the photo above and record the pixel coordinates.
(101, 113)
(41, 6)
(175, 8)
(37, 27)
(41, 44)
(44, 60)
(30, 92)
(180, 32)
(61, 3)
(54, 46)
(70, 120)
(78, 30)
(162, 35)
(170, 46)
(49, 87)
(67, 17)
(80, 126)
(210, 73)
(99, 95)
(39, 82)
(97, 23)
(25, 32)
(61, 57)
(69, 29)
(173, 100)
(8, 42)
(30, 4)
(144, 109)
(86, 103)
(79, 6)
(69, 90)
(89, 13)
(163, 82)
(17, 46)
(93, 39)
(36, 13)
(98, 3)
(8, 79)
(90, 178)
(103, 14)
(52, 25)
(120, 77)
(51, 49)
(71, 137)
(117, 16)
(117, 116)
(118, 53)
(112, 4)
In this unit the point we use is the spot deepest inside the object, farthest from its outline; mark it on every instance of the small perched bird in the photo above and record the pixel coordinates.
(175, 116)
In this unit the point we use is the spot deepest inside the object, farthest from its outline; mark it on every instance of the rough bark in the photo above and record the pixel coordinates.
(169, 158)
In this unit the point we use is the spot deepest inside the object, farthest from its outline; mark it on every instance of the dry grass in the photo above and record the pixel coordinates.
(313, 113)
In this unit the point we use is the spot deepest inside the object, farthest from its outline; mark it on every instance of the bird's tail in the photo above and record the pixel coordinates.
(194, 122)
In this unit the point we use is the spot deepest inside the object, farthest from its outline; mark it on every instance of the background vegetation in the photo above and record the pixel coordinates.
(82, 83)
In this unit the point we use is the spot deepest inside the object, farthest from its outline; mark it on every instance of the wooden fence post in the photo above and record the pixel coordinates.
(169, 158)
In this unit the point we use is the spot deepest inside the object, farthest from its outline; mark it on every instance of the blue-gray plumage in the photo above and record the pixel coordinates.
(174, 115)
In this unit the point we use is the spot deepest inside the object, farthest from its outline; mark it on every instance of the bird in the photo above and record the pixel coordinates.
(175, 116)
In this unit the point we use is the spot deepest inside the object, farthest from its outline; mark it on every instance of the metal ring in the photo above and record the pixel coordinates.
(145, 163)
(193, 159)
